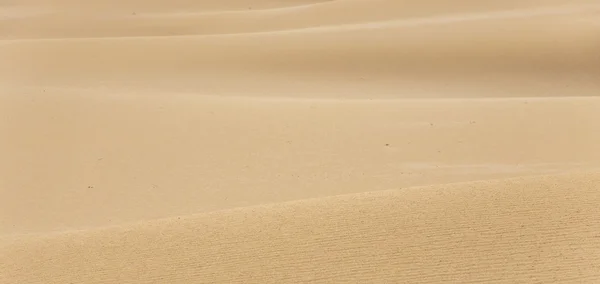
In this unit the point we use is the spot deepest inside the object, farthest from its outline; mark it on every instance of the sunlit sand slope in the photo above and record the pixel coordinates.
(424, 50)
(538, 229)
(295, 141)
(83, 159)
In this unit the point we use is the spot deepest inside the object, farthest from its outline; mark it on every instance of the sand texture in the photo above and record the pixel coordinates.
(299, 141)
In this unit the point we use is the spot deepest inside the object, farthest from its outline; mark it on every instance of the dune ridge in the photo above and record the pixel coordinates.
(132, 155)
(495, 50)
(538, 229)
(295, 141)
(328, 16)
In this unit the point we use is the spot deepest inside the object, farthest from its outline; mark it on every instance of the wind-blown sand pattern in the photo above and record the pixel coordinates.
(294, 141)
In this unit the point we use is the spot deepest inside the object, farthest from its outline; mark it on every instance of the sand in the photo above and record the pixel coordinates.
(272, 141)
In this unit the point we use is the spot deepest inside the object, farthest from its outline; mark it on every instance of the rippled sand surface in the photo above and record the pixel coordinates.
(299, 141)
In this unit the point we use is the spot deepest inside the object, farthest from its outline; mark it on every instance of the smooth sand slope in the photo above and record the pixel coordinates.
(529, 230)
(84, 159)
(508, 51)
(274, 141)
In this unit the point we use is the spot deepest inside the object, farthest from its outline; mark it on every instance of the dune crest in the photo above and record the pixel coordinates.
(127, 156)
(533, 51)
(275, 130)
(537, 229)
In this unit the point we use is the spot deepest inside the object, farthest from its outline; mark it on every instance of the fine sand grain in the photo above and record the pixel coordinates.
(528, 230)
(294, 141)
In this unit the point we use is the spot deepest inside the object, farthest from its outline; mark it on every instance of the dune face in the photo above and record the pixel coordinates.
(388, 49)
(125, 157)
(542, 229)
(272, 141)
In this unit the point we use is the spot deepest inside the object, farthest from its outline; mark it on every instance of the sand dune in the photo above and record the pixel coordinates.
(547, 54)
(299, 141)
(112, 6)
(330, 14)
(543, 229)
(155, 155)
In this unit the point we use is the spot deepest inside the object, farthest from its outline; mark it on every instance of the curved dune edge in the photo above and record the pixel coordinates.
(390, 49)
(159, 6)
(499, 58)
(60, 21)
(306, 16)
(533, 229)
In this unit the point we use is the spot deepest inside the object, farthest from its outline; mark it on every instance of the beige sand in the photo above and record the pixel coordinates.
(272, 141)
(534, 230)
